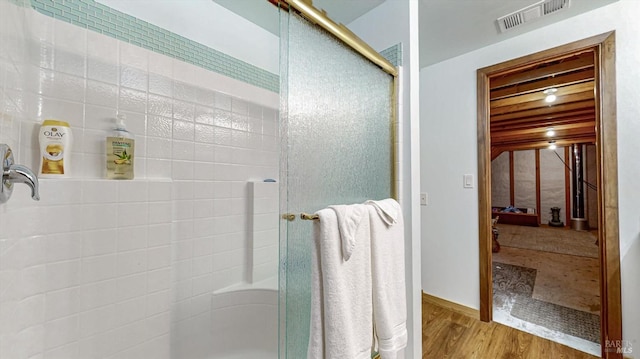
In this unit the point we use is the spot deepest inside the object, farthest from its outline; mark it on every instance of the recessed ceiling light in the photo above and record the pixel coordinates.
(551, 132)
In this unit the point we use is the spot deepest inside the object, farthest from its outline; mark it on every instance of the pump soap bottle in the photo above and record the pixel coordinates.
(120, 151)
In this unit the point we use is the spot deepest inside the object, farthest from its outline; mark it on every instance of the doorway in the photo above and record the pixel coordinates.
(603, 47)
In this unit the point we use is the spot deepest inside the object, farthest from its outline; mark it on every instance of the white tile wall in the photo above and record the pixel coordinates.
(76, 274)
(264, 230)
(114, 269)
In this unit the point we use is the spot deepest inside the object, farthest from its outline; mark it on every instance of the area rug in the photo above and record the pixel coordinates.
(556, 317)
(556, 240)
(512, 279)
(513, 288)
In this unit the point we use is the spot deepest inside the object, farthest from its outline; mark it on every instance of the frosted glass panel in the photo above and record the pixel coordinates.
(337, 149)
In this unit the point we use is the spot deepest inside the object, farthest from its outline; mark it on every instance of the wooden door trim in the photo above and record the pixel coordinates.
(512, 180)
(567, 187)
(607, 166)
(538, 199)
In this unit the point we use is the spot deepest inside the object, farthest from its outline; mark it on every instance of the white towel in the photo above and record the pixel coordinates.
(387, 261)
(341, 304)
(315, 349)
(388, 209)
(349, 218)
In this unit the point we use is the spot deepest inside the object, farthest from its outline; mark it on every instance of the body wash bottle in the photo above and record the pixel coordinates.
(120, 151)
(55, 149)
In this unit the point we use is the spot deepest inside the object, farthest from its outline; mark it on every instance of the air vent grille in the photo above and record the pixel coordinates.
(551, 6)
(531, 12)
(513, 21)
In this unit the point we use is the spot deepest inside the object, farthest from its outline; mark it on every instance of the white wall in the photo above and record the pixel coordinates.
(386, 25)
(448, 120)
(501, 181)
(210, 24)
(552, 182)
(552, 185)
(524, 179)
(110, 269)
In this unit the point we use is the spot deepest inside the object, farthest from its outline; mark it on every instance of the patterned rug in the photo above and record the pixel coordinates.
(556, 240)
(514, 284)
(511, 279)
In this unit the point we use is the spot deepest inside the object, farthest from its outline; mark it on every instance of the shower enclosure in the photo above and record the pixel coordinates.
(337, 135)
(163, 266)
(181, 261)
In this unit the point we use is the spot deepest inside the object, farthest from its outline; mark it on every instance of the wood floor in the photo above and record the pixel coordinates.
(448, 334)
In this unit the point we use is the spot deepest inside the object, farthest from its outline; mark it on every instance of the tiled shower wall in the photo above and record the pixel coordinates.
(97, 17)
(114, 269)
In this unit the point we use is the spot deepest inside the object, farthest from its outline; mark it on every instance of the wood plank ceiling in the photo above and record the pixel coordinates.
(520, 117)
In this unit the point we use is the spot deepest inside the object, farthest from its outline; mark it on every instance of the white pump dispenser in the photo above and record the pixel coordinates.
(120, 151)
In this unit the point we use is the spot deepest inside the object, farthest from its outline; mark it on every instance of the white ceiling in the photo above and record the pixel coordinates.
(448, 28)
(262, 13)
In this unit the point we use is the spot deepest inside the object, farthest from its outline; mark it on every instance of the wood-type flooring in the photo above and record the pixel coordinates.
(448, 334)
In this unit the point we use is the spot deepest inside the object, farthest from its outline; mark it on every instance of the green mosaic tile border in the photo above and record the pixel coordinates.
(97, 17)
(100, 18)
(393, 54)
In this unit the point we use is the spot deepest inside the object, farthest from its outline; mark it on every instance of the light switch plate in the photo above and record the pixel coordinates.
(468, 181)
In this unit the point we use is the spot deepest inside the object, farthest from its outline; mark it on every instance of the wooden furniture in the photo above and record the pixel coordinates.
(521, 219)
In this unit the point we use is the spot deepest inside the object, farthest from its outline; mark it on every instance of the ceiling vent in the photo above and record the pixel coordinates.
(531, 12)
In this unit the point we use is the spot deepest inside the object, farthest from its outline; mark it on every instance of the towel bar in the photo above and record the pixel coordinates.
(308, 216)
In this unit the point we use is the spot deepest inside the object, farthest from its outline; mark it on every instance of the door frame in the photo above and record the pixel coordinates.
(607, 181)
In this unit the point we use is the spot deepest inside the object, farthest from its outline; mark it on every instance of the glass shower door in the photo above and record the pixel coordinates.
(337, 138)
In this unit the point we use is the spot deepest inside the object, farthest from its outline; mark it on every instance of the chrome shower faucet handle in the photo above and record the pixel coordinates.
(14, 173)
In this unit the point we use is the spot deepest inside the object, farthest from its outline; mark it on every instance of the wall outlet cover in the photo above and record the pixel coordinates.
(423, 199)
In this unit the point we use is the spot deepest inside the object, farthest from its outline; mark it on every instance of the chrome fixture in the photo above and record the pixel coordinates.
(13, 173)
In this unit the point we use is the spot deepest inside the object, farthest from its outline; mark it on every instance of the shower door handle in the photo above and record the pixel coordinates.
(289, 216)
(14, 173)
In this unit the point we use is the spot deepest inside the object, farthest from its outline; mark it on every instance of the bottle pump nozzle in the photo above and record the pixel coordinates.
(120, 121)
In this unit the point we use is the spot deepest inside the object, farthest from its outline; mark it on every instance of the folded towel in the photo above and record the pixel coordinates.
(388, 209)
(341, 304)
(388, 279)
(349, 218)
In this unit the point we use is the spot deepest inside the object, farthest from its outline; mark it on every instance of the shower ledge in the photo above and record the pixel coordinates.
(269, 283)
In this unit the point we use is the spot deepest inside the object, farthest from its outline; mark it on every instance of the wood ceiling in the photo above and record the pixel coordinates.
(520, 117)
